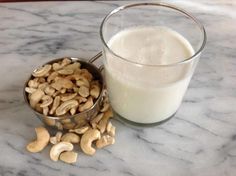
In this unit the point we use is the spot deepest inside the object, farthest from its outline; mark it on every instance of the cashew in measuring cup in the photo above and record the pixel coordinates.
(62, 87)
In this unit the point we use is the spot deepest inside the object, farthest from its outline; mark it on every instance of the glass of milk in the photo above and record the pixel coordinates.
(150, 52)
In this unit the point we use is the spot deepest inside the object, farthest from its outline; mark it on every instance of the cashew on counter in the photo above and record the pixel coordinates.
(41, 142)
(98, 132)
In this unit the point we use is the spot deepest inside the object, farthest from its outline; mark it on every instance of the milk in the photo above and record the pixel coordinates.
(147, 94)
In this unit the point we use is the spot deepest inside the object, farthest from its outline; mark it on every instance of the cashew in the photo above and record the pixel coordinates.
(70, 77)
(111, 130)
(56, 86)
(69, 157)
(56, 139)
(53, 140)
(80, 99)
(70, 137)
(63, 90)
(105, 107)
(42, 71)
(36, 97)
(62, 83)
(59, 126)
(95, 91)
(109, 126)
(41, 79)
(38, 108)
(56, 103)
(52, 76)
(68, 126)
(43, 86)
(84, 91)
(87, 139)
(33, 83)
(86, 74)
(49, 90)
(56, 66)
(103, 122)
(46, 75)
(56, 93)
(64, 121)
(76, 89)
(58, 148)
(105, 141)
(65, 62)
(65, 72)
(96, 119)
(105, 96)
(30, 90)
(41, 142)
(58, 136)
(47, 100)
(80, 130)
(80, 121)
(74, 66)
(66, 106)
(82, 81)
(68, 96)
(45, 110)
(76, 76)
(57, 78)
(77, 71)
(73, 110)
(49, 122)
(86, 105)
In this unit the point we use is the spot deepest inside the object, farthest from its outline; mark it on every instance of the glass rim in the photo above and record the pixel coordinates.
(166, 5)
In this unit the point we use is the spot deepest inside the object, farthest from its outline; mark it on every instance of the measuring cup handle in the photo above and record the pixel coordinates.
(101, 68)
(94, 58)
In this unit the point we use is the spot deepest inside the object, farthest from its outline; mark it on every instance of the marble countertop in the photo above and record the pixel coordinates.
(199, 141)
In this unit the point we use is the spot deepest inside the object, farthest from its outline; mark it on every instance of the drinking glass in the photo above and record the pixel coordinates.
(146, 93)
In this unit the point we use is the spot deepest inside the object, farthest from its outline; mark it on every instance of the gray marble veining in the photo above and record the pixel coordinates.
(199, 141)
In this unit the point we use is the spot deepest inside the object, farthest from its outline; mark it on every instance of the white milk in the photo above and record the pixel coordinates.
(147, 94)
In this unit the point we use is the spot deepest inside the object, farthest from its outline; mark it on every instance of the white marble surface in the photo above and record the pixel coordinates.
(199, 141)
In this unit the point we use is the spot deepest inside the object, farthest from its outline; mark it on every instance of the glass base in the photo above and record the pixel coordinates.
(129, 122)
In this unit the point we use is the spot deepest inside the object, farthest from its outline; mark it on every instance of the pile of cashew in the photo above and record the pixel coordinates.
(98, 132)
(62, 88)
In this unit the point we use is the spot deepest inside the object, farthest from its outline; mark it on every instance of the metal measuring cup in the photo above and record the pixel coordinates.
(79, 119)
